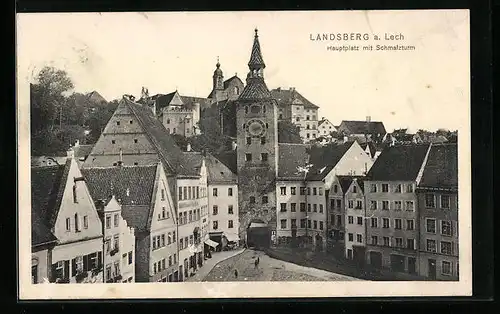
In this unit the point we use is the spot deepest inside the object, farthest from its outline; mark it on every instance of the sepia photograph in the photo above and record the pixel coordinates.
(244, 154)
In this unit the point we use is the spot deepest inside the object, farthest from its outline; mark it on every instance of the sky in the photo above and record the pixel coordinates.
(118, 53)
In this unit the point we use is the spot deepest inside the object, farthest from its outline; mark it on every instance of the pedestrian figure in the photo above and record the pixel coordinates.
(256, 263)
(236, 273)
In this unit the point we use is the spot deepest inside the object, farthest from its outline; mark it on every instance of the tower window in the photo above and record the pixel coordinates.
(262, 140)
(263, 157)
(255, 109)
(267, 125)
(168, 121)
(249, 140)
(248, 157)
(135, 140)
(280, 116)
(252, 199)
(131, 121)
(246, 109)
(113, 142)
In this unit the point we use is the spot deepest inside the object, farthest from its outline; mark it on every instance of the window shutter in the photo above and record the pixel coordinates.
(66, 269)
(73, 267)
(85, 263)
(53, 272)
(99, 259)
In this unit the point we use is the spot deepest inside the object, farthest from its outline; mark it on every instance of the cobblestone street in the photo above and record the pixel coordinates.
(269, 269)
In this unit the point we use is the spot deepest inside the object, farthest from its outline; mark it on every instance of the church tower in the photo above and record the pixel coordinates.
(257, 146)
(218, 82)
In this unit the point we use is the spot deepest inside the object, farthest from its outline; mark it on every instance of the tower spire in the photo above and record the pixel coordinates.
(256, 61)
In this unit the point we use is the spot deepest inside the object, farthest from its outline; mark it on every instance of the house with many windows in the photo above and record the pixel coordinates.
(336, 214)
(355, 221)
(437, 195)
(148, 207)
(119, 242)
(70, 250)
(392, 233)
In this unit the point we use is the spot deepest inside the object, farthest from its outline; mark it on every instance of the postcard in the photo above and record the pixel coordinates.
(244, 154)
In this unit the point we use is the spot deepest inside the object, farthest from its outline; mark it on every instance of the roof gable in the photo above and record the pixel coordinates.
(325, 158)
(291, 158)
(218, 172)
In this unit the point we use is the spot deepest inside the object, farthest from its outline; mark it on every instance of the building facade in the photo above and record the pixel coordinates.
(355, 235)
(325, 127)
(437, 202)
(336, 215)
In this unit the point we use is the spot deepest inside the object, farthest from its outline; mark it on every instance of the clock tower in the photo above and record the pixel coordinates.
(257, 146)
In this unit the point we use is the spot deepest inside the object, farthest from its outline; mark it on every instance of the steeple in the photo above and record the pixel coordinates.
(256, 87)
(218, 77)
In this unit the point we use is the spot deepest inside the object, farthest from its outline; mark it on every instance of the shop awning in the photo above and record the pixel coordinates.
(211, 243)
(232, 237)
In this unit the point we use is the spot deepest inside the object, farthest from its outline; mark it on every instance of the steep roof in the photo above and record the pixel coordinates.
(254, 90)
(441, 169)
(346, 181)
(163, 100)
(47, 188)
(218, 172)
(373, 148)
(292, 156)
(138, 181)
(229, 159)
(96, 97)
(285, 97)
(169, 152)
(362, 127)
(398, 163)
(325, 158)
(193, 160)
(256, 60)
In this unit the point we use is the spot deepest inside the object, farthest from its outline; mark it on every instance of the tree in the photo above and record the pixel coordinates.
(288, 133)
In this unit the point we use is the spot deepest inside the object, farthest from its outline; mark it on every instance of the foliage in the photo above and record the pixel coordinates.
(288, 132)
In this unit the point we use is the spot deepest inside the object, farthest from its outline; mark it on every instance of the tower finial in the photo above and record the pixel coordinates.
(256, 32)
(217, 64)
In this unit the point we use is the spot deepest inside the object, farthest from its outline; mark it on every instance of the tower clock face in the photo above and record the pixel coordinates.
(256, 127)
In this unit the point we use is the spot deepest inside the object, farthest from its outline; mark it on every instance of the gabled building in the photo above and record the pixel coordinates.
(294, 107)
(223, 211)
(355, 236)
(325, 127)
(64, 210)
(42, 243)
(369, 130)
(336, 215)
(149, 208)
(437, 195)
(229, 89)
(391, 203)
(119, 242)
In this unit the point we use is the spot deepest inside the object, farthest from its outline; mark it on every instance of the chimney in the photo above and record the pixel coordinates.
(188, 147)
(233, 145)
(77, 143)
(345, 139)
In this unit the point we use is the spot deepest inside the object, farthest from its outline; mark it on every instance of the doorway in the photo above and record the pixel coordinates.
(432, 268)
(412, 265)
(376, 259)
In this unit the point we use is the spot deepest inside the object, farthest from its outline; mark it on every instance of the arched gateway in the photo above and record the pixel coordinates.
(258, 234)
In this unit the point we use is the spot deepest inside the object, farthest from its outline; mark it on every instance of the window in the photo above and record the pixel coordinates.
(307, 118)
(113, 141)
(373, 188)
(430, 225)
(293, 190)
(308, 191)
(108, 244)
(387, 241)
(294, 223)
(302, 191)
(397, 224)
(321, 208)
(302, 207)
(198, 192)
(374, 222)
(409, 206)
(230, 224)
(350, 220)
(283, 207)
(215, 225)
(410, 225)
(350, 237)
(354, 189)
(399, 242)
(349, 254)
(385, 205)
(397, 205)
(214, 191)
(180, 193)
(293, 207)
(190, 189)
(374, 240)
(430, 201)
(135, 140)
(265, 199)
(249, 140)
(385, 223)
(360, 221)
(252, 199)
(397, 188)
(446, 228)
(446, 248)
(86, 222)
(320, 191)
(230, 209)
(116, 242)
(163, 212)
(302, 223)
(315, 208)
(350, 204)
(308, 223)
(409, 188)
(75, 199)
(283, 190)
(335, 189)
(248, 157)
(445, 201)
(315, 192)
(359, 204)
(185, 193)
(385, 188)
(108, 222)
(446, 268)
(130, 257)
(262, 140)
(309, 207)
(68, 224)
(116, 220)
(230, 192)
(373, 205)
(315, 225)
(431, 246)
(283, 223)
(320, 225)
(410, 244)
(359, 238)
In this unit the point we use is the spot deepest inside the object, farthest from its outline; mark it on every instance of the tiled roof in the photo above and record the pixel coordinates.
(256, 60)
(361, 127)
(398, 163)
(373, 148)
(169, 152)
(292, 156)
(441, 169)
(82, 150)
(345, 182)
(163, 100)
(139, 181)
(325, 158)
(47, 187)
(95, 96)
(255, 89)
(219, 172)
(285, 97)
(229, 159)
(193, 160)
